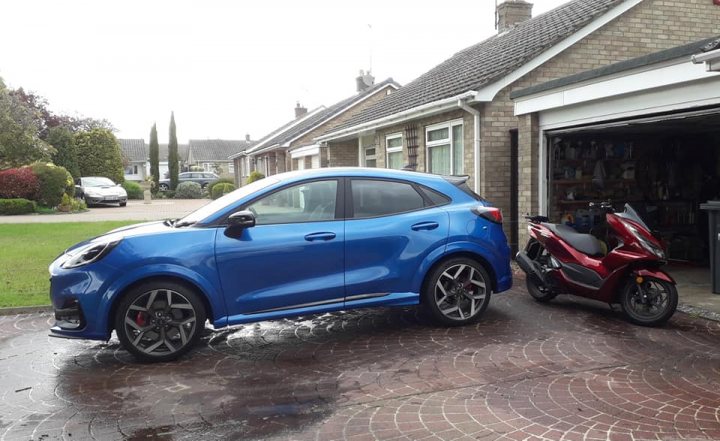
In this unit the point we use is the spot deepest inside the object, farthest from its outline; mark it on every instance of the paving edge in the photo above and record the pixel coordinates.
(698, 312)
(25, 310)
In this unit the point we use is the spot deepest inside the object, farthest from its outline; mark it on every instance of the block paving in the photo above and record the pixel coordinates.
(569, 370)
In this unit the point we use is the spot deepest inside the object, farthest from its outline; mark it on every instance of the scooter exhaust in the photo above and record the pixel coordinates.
(530, 267)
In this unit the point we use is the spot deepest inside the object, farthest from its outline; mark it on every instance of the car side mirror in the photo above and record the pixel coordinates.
(242, 219)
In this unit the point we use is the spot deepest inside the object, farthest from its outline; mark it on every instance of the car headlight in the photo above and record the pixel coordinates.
(91, 192)
(89, 253)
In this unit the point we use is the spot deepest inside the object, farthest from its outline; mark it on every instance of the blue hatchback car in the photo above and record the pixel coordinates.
(292, 244)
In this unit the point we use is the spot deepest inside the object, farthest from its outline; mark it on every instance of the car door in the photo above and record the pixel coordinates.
(391, 228)
(293, 256)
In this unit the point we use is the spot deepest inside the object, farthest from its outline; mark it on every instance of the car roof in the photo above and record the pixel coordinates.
(367, 172)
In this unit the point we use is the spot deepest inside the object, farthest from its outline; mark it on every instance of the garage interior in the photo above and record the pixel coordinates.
(665, 166)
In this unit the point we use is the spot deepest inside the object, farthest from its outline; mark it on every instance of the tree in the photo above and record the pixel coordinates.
(173, 164)
(99, 154)
(20, 143)
(66, 152)
(154, 157)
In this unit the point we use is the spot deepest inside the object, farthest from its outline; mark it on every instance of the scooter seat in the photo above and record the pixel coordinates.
(585, 243)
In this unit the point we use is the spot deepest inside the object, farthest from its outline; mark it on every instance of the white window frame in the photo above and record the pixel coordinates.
(449, 140)
(370, 157)
(389, 150)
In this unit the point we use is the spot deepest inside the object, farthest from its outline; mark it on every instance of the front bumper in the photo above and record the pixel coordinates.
(105, 199)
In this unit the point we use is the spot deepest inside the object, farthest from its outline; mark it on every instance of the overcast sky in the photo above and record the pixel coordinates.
(226, 68)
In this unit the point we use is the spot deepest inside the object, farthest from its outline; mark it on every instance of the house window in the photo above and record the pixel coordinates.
(445, 148)
(371, 156)
(394, 145)
(131, 170)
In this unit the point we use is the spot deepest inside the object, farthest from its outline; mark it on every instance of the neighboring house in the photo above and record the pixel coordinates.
(458, 118)
(163, 160)
(135, 156)
(292, 146)
(212, 155)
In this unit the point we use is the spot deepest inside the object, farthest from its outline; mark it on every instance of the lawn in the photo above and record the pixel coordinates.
(26, 250)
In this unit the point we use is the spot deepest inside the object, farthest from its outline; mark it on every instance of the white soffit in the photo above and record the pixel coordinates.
(654, 77)
(308, 150)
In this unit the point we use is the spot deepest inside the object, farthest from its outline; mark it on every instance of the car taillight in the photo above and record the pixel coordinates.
(490, 213)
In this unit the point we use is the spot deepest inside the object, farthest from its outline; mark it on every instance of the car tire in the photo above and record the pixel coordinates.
(122, 204)
(87, 202)
(456, 292)
(164, 187)
(151, 329)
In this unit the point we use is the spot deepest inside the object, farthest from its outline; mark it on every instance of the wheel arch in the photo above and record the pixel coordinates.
(155, 278)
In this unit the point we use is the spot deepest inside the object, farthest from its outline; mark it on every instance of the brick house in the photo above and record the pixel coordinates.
(459, 118)
(135, 157)
(292, 146)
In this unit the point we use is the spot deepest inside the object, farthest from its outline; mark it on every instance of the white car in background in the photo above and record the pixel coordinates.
(100, 190)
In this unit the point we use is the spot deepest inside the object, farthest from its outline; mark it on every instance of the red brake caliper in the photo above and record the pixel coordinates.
(140, 319)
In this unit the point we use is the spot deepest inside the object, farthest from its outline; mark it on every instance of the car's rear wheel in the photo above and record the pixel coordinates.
(164, 187)
(159, 320)
(457, 292)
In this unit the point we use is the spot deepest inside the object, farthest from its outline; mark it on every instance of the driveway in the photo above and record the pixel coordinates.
(135, 210)
(567, 370)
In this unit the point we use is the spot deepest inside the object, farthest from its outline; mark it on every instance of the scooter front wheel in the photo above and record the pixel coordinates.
(650, 303)
(538, 292)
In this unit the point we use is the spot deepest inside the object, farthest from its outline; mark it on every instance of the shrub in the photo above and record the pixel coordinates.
(255, 176)
(18, 183)
(133, 189)
(54, 182)
(221, 189)
(16, 206)
(70, 204)
(98, 153)
(188, 190)
(219, 181)
(168, 194)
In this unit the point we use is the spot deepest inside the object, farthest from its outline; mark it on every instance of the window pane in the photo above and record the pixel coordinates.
(436, 197)
(440, 159)
(395, 160)
(370, 151)
(382, 198)
(314, 201)
(438, 135)
(458, 152)
(394, 142)
(370, 163)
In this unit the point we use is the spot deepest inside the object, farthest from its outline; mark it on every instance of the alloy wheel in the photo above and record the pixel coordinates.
(650, 300)
(460, 292)
(160, 322)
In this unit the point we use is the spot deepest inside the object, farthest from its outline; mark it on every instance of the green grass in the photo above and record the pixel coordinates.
(26, 251)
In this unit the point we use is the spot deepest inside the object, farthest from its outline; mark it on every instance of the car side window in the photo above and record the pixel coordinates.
(307, 202)
(373, 198)
(436, 198)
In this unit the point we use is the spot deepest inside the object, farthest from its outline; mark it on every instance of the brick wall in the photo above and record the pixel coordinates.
(343, 154)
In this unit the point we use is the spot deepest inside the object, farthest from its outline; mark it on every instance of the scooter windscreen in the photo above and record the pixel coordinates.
(631, 214)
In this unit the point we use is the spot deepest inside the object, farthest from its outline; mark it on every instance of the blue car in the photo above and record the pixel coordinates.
(293, 244)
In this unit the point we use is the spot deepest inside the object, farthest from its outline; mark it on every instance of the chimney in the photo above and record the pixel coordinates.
(247, 137)
(512, 12)
(300, 110)
(364, 81)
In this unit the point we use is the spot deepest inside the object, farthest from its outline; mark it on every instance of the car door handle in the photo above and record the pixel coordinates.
(425, 226)
(320, 236)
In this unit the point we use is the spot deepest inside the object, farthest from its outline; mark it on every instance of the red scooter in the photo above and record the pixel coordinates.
(622, 268)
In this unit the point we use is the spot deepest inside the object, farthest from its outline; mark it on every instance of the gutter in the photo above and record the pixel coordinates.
(711, 60)
(476, 141)
(395, 118)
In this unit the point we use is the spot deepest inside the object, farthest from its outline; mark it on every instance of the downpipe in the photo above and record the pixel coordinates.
(476, 141)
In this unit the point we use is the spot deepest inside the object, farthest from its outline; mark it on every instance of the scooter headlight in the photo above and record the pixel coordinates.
(649, 246)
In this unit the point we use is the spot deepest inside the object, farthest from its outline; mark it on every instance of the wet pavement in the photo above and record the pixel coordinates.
(568, 370)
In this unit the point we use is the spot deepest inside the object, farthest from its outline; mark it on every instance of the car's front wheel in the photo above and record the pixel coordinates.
(159, 320)
(457, 292)
(164, 187)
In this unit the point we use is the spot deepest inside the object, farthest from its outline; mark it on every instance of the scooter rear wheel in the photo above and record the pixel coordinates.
(538, 292)
(651, 303)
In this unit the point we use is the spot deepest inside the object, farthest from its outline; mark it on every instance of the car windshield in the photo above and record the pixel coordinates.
(224, 201)
(97, 182)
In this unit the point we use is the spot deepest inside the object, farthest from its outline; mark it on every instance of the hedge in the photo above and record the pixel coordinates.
(16, 206)
(54, 182)
(18, 183)
(221, 189)
(188, 190)
(219, 181)
(133, 189)
(255, 176)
